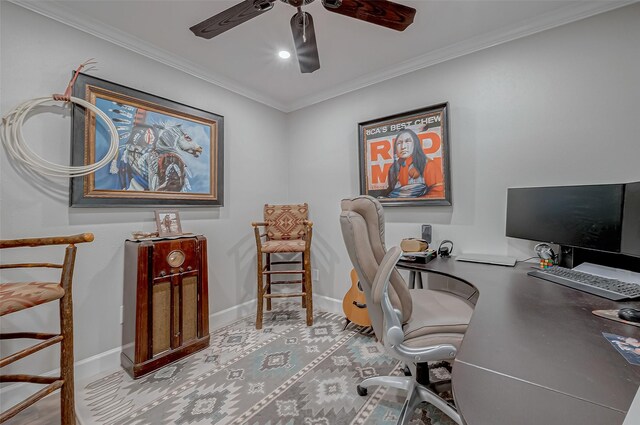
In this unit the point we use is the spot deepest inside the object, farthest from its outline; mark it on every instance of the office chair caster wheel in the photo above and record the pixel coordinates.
(362, 391)
(406, 370)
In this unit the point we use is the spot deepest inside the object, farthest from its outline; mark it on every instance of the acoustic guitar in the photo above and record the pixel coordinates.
(354, 303)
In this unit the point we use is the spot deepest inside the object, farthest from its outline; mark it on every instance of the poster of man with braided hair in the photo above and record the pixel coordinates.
(404, 158)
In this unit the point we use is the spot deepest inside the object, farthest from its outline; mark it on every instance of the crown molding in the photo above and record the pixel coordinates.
(541, 23)
(565, 15)
(79, 21)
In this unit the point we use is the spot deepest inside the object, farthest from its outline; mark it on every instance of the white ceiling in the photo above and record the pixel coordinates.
(353, 54)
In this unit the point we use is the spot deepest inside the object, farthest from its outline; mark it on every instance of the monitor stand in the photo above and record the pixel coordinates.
(571, 257)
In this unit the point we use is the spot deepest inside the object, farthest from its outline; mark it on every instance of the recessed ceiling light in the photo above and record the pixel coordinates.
(284, 54)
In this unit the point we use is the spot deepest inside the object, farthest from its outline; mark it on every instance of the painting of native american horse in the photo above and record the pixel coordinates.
(165, 156)
(157, 153)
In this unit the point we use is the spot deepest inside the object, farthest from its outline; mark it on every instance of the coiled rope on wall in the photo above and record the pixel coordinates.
(15, 144)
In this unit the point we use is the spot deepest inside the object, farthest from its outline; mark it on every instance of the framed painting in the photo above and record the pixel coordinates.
(168, 153)
(404, 158)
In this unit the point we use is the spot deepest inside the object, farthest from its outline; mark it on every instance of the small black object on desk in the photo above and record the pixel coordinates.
(446, 248)
(629, 314)
(417, 258)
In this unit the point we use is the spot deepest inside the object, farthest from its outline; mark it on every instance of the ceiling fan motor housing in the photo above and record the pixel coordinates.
(297, 3)
(302, 19)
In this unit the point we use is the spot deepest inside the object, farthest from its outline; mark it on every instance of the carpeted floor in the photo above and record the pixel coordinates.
(285, 374)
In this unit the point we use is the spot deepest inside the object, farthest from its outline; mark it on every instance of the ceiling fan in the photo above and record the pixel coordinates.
(380, 12)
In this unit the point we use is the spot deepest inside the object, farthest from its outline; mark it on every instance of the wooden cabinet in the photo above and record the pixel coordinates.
(166, 310)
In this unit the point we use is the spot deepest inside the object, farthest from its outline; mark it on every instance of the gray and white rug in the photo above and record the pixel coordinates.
(285, 374)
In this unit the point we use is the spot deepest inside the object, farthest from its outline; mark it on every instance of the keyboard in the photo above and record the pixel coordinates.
(612, 289)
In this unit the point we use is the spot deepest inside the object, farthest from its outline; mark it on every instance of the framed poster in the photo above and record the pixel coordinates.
(168, 154)
(404, 158)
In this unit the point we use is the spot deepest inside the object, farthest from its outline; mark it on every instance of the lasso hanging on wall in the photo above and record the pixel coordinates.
(15, 144)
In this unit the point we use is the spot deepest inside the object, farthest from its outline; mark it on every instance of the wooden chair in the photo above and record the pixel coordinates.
(17, 296)
(287, 230)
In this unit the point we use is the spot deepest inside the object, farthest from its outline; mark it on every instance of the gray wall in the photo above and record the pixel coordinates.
(560, 107)
(38, 55)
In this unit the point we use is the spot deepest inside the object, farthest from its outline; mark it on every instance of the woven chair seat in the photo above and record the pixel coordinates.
(18, 296)
(287, 230)
(21, 295)
(295, 245)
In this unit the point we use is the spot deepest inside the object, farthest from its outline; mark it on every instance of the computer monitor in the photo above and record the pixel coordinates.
(631, 220)
(576, 216)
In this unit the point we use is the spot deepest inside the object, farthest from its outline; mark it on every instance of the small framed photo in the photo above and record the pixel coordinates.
(168, 223)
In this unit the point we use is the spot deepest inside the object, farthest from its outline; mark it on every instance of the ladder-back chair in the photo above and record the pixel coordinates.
(288, 231)
(17, 296)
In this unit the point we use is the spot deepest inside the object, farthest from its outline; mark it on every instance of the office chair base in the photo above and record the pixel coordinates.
(406, 370)
(425, 394)
(409, 406)
(399, 382)
(362, 391)
(416, 393)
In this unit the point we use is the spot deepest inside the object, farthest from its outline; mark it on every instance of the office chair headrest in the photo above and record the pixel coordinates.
(371, 210)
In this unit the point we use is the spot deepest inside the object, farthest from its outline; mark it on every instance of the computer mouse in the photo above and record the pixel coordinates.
(629, 314)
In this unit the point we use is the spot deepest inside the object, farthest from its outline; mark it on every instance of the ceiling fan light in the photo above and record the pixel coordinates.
(284, 54)
(262, 5)
(332, 4)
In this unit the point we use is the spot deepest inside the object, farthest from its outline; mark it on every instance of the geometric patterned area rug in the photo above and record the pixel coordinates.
(285, 374)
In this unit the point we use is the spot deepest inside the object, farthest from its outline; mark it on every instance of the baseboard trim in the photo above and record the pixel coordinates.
(100, 363)
(328, 304)
(230, 315)
(109, 360)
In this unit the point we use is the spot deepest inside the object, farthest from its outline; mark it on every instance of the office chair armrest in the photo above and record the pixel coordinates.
(394, 334)
(393, 318)
(432, 353)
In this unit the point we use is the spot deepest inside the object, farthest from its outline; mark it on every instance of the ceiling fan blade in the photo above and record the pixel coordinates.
(385, 13)
(231, 17)
(304, 37)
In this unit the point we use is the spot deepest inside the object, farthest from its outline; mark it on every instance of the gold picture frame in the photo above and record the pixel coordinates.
(169, 154)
